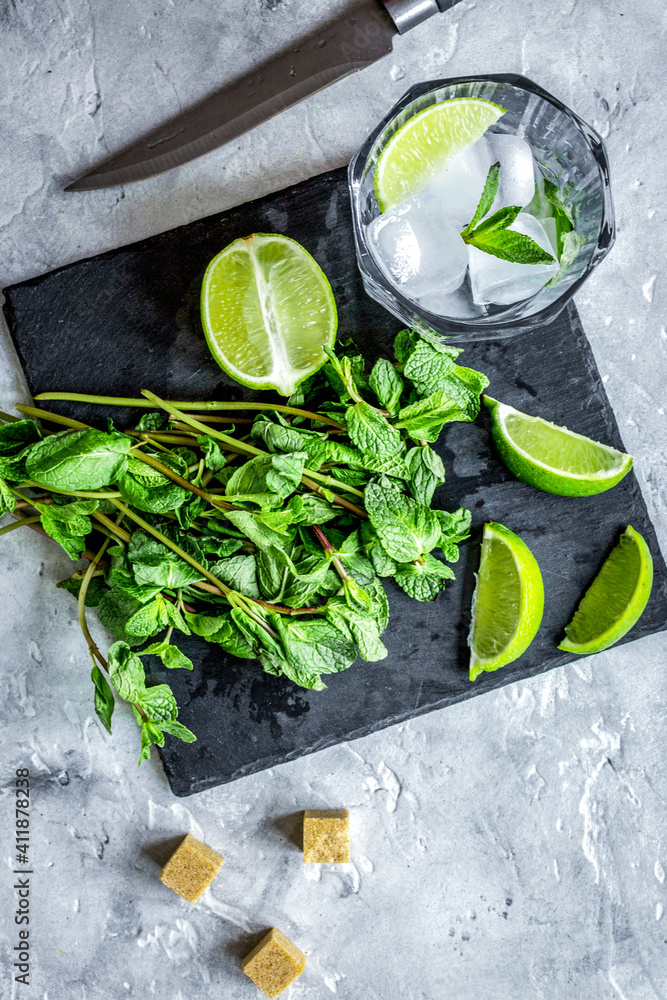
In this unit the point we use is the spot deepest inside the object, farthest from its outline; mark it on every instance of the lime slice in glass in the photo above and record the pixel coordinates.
(508, 602)
(552, 458)
(615, 600)
(268, 312)
(426, 142)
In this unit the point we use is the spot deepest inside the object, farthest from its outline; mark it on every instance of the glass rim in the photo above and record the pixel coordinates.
(606, 233)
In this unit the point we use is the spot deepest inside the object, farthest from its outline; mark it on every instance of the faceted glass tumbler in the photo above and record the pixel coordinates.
(569, 152)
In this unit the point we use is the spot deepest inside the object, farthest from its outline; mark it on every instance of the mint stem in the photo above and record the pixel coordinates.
(77, 397)
(19, 524)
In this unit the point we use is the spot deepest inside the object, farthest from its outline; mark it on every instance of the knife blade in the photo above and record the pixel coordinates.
(350, 44)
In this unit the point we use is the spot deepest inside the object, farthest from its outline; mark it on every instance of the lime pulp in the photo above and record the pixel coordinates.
(268, 312)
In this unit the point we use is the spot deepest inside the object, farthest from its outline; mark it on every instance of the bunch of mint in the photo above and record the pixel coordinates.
(269, 539)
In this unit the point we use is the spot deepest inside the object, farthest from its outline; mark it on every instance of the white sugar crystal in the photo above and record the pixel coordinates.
(501, 282)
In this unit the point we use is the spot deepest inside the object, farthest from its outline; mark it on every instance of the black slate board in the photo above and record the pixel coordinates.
(128, 319)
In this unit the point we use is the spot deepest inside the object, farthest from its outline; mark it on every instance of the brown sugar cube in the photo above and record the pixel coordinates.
(274, 964)
(326, 836)
(191, 869)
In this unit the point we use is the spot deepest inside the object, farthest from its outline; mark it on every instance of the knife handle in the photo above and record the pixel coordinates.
(408, 14)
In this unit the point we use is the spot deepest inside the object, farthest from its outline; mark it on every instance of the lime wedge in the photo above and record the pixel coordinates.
(268, 312)
(552, 458)
(508, 601)
(615, 600)
(422, 147)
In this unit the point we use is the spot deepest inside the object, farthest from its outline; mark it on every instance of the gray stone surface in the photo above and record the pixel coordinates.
(511, 846)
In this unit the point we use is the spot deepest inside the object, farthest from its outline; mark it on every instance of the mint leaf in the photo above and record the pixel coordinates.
(114, 611)
(143, 594)
(386, 465)
(146, 743)
(427, 368)
(313, 648)
(561, 213)
(274, 431)
(382, 563)
(345, 374)
(68, 524)
(170, 655)
(239, 573)
(487, 198)
(187, 513)
(407, 529)
(426, 473)
(104, 700)
(15, 436)
(222, 630)
(362, 629)
(15, 441)
(469, 379)
(175, 728)
(158, 702)
(220, 547)
(454, 528)
(262, 535)
(153, 421)
(214, 460)
(511, 246)
(493, 235)
(423, 580)
(425, 419)
(149, 490)
(500, 220)
(78, 460)
(279, 474)
(126, 672)
(154, 732)
(284, 476)
(149, 619)
(387, 385)
(153, 563)
(175, 618)
(7, 499)
(371, 432)
(315, 510)
(571, 246)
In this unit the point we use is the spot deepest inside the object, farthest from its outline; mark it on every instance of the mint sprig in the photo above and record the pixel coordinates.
(561, 213)
(269, 544)
(494, 236)
(486, 201)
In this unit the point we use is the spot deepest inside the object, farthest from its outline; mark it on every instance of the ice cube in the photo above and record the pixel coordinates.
(459, 186)
(418, 248)
(456, 305)
(517, 170)
(501, 282)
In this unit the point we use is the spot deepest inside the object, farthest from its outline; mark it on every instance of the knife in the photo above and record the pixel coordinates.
(355, 41)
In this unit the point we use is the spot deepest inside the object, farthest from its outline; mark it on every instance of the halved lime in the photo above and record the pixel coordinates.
(615, 600)
(268, 312)
(426, 142)
(508, 602)
(553, 458)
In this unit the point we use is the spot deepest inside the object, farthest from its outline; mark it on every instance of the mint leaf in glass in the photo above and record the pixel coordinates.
(487, 199)
(494, 236)
(510, 246)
